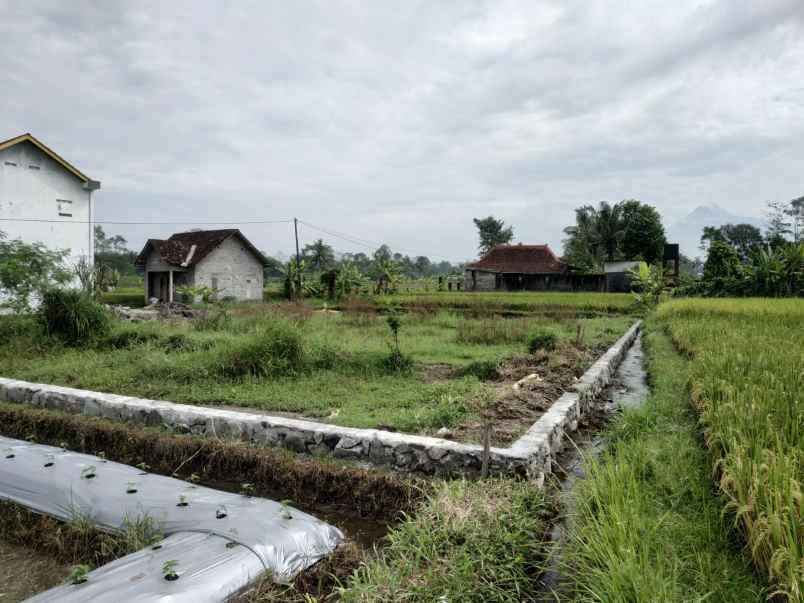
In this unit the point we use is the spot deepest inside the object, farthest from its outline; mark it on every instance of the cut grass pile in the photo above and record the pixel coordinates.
(280, 358)
(645, 525)
(544, 302)
(747, 383)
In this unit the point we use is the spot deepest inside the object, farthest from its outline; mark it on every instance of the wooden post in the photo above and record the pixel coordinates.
(170, 286)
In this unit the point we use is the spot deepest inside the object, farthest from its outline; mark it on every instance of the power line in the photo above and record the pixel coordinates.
(372, 244)
(128, 223)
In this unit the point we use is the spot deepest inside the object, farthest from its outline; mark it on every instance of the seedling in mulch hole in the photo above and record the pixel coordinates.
(63, 445)
(221, 512)
(169, 570)
(101, 455)
(231, 544)
(88, 472)
(155, 542)
(79, 575)
(182, 501)
(247, 489)
(131, 488)
(50, 460)
(10, 453)
(194, 477)
(286, 509)
(31, 438)
(143, 466)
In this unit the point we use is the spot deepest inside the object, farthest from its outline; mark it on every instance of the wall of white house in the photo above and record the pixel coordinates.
(233, 270)
(34, 186)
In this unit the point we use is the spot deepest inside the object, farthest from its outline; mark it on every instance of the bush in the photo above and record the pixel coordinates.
(276, 351)
(484, 370)
(128, 338)
(541, 340)
(73, 316)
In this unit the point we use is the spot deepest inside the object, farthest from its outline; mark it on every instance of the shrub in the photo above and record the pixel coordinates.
(491, 331)
(276, 351)
(73, 316)
(541, 340)
(485, 370)
(127, 338)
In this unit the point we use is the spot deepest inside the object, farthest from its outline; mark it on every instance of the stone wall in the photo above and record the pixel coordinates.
(232, 269)
(530, 455)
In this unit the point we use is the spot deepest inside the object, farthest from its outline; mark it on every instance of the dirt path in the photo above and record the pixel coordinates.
(24, 573)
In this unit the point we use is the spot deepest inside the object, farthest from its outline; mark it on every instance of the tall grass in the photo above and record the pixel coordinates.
(644, 524)
(469, 542)
(747, 382)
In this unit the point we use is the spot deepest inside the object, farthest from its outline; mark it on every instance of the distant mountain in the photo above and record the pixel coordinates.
(687, 231)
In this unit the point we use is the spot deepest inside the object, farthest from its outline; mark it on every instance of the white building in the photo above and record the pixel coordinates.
(45, 199)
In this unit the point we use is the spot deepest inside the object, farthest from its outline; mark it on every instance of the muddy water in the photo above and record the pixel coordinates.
(628, 389)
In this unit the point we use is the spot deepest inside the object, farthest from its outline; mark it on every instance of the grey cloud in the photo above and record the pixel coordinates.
(402, 121)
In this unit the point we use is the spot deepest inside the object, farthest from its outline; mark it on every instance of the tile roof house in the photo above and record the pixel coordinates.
(224, 260)
(525, 267)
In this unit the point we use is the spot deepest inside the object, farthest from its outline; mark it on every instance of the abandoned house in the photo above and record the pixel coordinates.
(527, 268)
(224, 260)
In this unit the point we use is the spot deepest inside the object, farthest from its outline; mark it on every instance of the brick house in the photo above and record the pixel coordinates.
(222, 259)
(527, 268)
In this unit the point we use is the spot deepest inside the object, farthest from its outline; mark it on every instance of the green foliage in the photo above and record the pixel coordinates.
(648, 284)
(646, 525)
(79, 574)
(470, 542)
(396, 361)
(492, 232)
(72, 316)
(274, 351)
(542, 339)
(27, 270)
(626, 230)
(746, 383)
(484, 370)
(95, 279)
(318, 255)
(169, 570)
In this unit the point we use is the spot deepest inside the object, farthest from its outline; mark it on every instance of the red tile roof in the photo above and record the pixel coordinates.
(520, 259)
(177, 249)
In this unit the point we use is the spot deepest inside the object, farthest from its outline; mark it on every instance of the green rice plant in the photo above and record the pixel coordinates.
(645, 523)
(747, 384)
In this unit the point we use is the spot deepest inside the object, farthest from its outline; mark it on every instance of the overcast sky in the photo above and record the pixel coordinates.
(400, 122)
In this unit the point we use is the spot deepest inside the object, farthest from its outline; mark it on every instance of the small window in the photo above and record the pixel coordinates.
(65, 208)
(33, 167)
(11, 163)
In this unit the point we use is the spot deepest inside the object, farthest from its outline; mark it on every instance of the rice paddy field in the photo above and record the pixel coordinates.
(747, 383)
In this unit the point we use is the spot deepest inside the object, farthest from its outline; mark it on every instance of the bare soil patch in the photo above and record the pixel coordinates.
(24, 572)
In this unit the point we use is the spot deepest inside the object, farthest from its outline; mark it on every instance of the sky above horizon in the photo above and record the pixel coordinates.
(401, 122)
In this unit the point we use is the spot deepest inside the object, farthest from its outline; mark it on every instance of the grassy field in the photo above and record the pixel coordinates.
(747, 382)
(328, 365)
(567, 304)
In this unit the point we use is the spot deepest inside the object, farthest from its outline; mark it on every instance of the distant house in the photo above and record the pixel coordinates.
(526, 268)
(44, 199)
(222, 259)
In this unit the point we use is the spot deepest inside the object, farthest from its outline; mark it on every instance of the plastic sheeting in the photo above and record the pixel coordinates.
(209, 573)
(67, 485)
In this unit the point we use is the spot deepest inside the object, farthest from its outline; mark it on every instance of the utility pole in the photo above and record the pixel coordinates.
(298, 258)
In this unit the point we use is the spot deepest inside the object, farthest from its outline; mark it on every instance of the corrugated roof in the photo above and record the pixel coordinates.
(186, 249)
(520, 259)
(28, 137)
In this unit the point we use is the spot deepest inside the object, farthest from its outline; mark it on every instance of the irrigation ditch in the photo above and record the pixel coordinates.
(361, 494)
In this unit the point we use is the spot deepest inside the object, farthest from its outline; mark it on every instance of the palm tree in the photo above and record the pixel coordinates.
(319, 255)
(609, 228)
